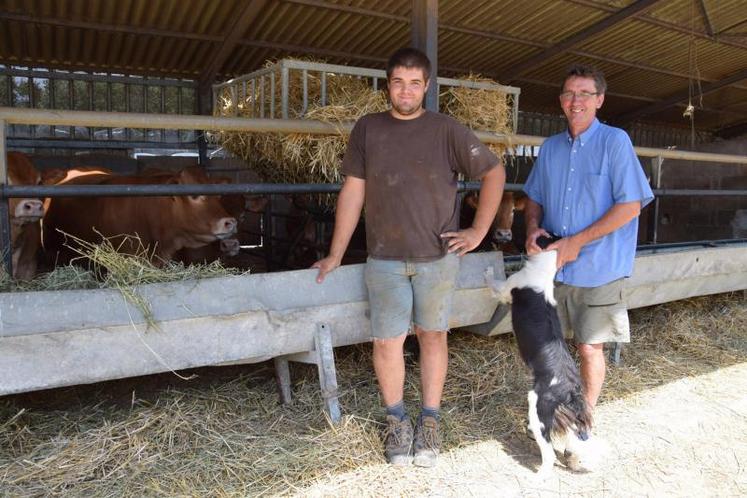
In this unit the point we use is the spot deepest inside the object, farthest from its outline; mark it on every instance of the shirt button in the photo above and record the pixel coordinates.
(566, 208)
(569, 188)
(573, 169)
(563, 228)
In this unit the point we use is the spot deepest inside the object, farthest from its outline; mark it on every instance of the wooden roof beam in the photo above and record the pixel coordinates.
(231, 40)
(706, 18)
(732, 131)
(97, 26)
(585, 34)
(665, 24)
(679, 97)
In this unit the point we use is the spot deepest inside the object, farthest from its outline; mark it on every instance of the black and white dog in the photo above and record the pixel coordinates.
(559, 417)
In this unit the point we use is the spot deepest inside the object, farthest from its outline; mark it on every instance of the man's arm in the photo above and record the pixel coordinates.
(533, 217)
(491, 191)
(617, 216)
(347, 214)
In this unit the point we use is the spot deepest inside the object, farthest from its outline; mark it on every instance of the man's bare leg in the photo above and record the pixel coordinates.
(434, 362)
(592, 371)
(389, 365)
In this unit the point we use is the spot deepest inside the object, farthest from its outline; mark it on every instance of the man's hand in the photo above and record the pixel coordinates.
(531, 243)
(568, 249)
(325, 266)
(463, 241)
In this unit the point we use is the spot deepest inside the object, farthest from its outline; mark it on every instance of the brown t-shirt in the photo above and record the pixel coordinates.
(411, 168)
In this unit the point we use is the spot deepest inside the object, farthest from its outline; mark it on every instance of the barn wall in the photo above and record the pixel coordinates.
(703, 218)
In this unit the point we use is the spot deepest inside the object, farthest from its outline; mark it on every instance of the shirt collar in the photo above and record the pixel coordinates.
(585, 136)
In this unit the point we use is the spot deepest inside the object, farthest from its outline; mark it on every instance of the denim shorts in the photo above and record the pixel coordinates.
(403, 292)
(593, 315)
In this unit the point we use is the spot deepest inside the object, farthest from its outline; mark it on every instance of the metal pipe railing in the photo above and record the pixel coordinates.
(12, 115)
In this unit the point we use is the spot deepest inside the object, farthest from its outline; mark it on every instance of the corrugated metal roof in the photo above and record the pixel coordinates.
(648, 57)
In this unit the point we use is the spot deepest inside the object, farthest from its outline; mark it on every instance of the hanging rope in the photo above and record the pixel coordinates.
(693, 84)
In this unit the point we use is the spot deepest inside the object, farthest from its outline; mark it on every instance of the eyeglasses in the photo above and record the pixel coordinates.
(579, 95)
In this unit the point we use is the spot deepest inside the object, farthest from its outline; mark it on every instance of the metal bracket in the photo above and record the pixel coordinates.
(615, 353)
(323, 357)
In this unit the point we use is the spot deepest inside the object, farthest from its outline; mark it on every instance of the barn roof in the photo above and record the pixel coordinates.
(657, 55)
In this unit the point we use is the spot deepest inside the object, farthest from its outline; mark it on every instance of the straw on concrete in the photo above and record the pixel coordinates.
(225, 434)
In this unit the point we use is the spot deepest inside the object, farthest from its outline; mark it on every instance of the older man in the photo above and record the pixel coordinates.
(588, 187)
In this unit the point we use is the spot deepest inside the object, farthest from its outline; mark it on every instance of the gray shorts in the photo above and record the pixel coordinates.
(401, 293)
(593, 315)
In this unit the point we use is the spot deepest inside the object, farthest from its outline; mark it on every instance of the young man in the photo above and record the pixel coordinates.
(588, 187)
(403, 164)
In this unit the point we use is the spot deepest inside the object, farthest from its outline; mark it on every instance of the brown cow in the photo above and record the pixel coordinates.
(163, 224)
(500, 236)
(25, 233)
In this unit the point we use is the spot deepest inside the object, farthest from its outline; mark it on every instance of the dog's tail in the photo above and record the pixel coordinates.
(574, 415)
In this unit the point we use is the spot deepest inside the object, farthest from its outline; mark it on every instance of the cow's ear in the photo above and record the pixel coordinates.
(520, 204)
(53, 176)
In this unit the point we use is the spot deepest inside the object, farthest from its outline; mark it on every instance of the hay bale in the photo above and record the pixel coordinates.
(480, 109)
(306, 158)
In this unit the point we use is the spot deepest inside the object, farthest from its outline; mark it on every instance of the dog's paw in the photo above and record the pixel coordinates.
(544, 473)
(588, 455)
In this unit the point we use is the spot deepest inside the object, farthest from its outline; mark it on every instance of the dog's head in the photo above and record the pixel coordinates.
(543, 241)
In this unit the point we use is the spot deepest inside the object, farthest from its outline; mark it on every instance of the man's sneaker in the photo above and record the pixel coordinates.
(427, 442)
(398, 440)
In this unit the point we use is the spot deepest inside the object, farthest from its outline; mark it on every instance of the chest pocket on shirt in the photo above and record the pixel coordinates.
(597, 194)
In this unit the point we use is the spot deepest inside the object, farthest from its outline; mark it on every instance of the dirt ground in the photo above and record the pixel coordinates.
(686, 438)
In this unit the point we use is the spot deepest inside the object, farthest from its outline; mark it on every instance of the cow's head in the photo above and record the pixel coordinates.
(22, 172)
(504, 219)
(200, 219)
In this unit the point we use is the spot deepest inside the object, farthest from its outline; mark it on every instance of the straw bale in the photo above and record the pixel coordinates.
(480, 109)
(224, 433)
(304, 158)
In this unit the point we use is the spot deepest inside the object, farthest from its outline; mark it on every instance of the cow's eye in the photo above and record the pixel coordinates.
(196, 198)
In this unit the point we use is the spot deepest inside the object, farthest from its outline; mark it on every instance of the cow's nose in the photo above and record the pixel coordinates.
(230, 247)
(228, 225)
(31, 208)
(502, 235)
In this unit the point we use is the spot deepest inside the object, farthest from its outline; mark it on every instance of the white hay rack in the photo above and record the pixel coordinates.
(259, 89)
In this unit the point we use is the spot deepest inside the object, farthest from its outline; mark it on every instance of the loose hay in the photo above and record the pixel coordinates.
(228, 436)
(116, 270)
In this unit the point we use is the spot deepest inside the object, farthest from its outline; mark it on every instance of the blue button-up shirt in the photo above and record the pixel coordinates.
(577, 182)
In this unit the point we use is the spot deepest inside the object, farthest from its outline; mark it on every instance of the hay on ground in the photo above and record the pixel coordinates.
(226, 435)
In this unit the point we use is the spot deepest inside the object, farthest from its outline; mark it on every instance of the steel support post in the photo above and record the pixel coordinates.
(5, 248)
(424, 36)
(205, 107)
(324, 358)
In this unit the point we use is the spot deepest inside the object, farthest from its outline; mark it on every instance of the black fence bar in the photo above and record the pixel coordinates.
(253, 189)
(186, 189)
(6, 254)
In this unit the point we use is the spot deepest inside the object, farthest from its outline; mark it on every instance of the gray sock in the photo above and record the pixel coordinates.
(397, 409)
(428, 411)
